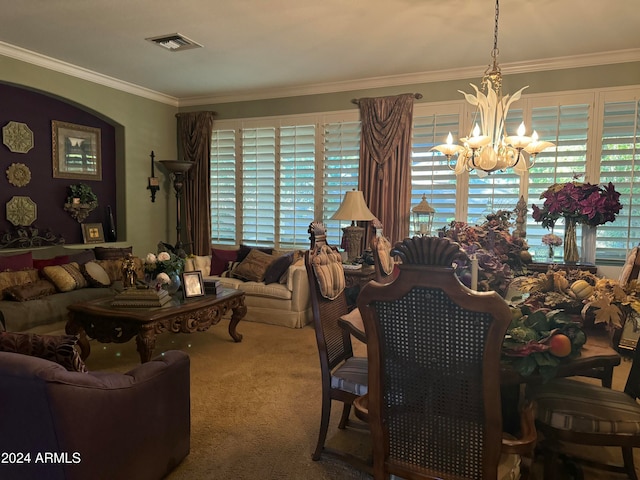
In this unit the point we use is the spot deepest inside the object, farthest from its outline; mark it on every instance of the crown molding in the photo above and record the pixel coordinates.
(49, 63)
(558, 63)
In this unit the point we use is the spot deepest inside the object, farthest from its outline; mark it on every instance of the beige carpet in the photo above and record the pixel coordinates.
(255, 405)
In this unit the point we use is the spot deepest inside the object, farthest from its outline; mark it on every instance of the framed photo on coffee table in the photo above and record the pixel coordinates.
(193, 284)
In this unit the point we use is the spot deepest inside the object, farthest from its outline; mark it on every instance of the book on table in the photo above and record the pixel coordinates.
(141, 297)
(213, 287)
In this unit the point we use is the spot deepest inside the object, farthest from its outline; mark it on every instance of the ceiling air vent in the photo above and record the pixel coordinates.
(174, 42)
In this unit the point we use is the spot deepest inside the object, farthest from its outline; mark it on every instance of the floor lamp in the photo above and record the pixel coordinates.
(177, 169)
(353, 208)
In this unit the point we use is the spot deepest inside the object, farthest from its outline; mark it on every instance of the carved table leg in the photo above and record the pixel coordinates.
(145, 342)
(239, 311)
(74, 327)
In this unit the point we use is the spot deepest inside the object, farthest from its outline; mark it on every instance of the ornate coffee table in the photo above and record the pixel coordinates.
(99, 320)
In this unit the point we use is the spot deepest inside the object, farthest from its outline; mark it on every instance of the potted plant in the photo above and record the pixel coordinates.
(81, 201)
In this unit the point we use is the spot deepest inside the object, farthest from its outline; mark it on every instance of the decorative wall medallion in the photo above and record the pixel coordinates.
(18, 174)
(21, 211)
(17, 137)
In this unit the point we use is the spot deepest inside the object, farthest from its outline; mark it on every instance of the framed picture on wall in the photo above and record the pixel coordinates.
(92, 233)
(76, 151)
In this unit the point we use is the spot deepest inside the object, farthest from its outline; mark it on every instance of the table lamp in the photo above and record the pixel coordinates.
(355, 209)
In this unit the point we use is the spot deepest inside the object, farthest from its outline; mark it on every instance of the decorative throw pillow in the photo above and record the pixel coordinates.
(65, 277)
(82, 257)
(109, 253)
(277, 268)
(41, 263)
(254, 266)
(21, 261)
(10, 279)
(220, 258)
(30, 291)
(60, 349)
(327, 265)
(95, 275)
(245, 249)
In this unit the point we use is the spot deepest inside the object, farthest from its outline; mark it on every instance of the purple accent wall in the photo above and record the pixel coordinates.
(37, 110)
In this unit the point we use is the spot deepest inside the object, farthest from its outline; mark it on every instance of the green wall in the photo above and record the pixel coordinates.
(603, 76)
(141, 125)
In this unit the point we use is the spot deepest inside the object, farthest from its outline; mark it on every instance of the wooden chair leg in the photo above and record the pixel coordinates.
(627, 455)
(324, 427)
(344, 419)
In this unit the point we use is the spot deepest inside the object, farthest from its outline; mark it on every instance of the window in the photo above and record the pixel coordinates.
(620, 164)
(271, 177)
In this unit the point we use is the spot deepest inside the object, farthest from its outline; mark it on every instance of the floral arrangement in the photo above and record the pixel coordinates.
(551, 240)
(163, 265)
(539, 339)
(601, 300)
(583, 202)
(500, 255)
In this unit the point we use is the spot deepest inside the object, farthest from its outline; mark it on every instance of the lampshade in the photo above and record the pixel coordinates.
(353, 207)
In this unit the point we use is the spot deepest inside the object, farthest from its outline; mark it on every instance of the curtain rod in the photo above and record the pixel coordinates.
(417, 96)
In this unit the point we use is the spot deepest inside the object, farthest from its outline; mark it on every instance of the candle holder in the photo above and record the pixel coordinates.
(154, 182)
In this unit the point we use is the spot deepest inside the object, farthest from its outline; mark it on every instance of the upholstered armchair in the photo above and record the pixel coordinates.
(98, 425)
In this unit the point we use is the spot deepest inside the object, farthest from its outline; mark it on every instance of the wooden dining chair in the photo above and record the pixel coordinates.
(434, 348)
(344, 377)
(580, 413)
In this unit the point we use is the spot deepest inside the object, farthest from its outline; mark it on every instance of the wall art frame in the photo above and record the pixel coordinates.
(92, 233)
(76, 151)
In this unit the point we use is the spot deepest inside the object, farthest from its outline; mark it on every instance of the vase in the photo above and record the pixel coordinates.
(174, 284)
(110, 234)
(571, 254)
(550, 253)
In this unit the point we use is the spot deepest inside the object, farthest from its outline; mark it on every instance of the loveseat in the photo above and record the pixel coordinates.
(98, 425)
(35, 292)
(274, 282)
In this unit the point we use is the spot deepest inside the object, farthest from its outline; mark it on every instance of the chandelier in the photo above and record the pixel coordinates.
(488, 149)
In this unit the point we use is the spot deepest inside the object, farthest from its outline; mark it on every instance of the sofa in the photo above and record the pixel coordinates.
(37, 286)
(75, 424)
(274, 281)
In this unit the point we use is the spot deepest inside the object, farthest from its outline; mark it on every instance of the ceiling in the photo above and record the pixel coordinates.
(268, 48)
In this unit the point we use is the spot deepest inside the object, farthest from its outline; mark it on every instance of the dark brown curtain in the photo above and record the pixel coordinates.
(194, 139)
(385, 161)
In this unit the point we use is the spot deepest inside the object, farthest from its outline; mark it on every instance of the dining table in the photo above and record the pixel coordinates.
(597, 359)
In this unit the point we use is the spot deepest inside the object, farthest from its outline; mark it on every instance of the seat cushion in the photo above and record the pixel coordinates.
(351, 376)
(568, 404)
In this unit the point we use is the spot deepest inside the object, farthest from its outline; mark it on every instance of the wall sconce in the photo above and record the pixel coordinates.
(423, 217)
(154, 182)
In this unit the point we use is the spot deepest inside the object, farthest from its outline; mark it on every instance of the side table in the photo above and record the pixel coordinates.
(359, 277)
(354, 280)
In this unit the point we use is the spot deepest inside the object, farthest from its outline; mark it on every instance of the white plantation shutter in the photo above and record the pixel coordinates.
(297, 184)
(223, 186)
(430, 172)
(258, 186)
(567, 126)
(340, 167)
(620, 164)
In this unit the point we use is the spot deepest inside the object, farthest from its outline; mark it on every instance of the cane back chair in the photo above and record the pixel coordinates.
(344, 377)
(434, 347)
